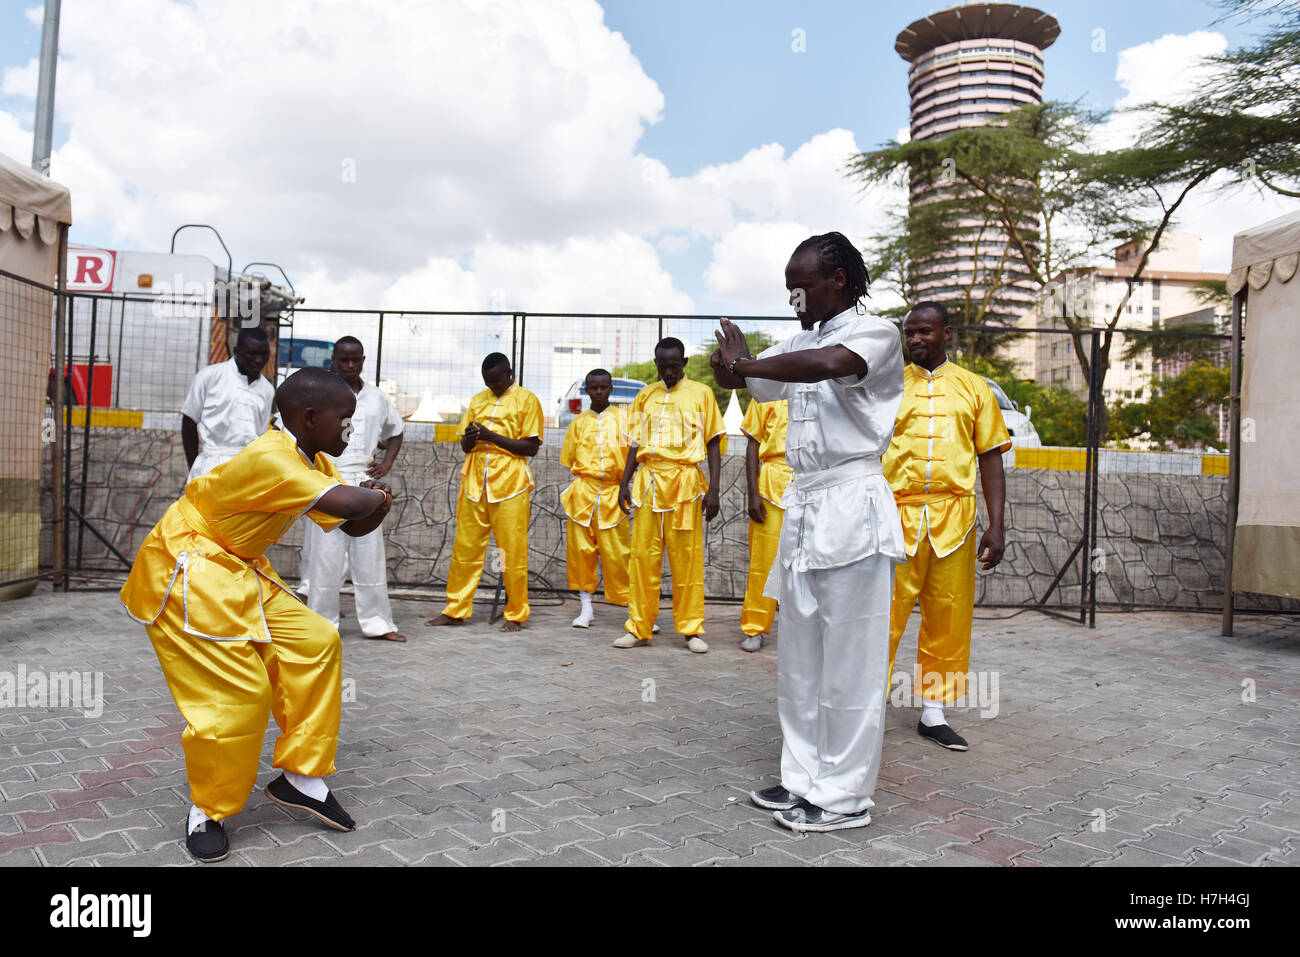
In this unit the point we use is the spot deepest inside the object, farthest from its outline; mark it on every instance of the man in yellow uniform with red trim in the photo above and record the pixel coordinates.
(234, 643)
(673, 425)
(766, 478)
(949, 419)
(500, 431)
(595, 451)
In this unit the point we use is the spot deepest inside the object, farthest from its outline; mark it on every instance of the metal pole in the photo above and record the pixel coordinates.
(523, 335)
(60, 413)
(85, 431)
(69, 401)
(514, 338)
(1095, 453)
(1234, 458)
(43, 132)
(1088, 466)
(379, 351)
(121, 329)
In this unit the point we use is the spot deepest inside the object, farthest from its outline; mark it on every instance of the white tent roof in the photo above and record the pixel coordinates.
(1261, 253)
(30, 201)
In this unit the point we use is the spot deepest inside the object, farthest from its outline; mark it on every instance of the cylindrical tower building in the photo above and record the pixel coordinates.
(969, 65)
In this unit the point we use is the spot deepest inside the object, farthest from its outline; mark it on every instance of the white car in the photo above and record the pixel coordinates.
(1022, 430)
(576, 401)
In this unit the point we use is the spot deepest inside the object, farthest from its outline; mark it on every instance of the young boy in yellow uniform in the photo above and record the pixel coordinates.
(234, 642)
(595, 451)
(673, 425)
(766, 478)
(500, 431)
(948, 420)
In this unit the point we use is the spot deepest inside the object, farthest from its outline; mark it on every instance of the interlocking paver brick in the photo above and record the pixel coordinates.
(449, 729)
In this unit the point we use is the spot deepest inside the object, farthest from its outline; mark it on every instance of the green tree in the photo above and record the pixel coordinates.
(1015, 198)
(1183, 411)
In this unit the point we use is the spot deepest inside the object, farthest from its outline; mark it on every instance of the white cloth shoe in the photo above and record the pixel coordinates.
(697, 644)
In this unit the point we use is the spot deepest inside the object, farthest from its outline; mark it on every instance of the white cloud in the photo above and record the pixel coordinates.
(411, 153)
(748, 266)
(779, 201)
(1171, 69)
(1166, 70)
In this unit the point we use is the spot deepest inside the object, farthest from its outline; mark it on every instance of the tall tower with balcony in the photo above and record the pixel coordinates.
(969, 66)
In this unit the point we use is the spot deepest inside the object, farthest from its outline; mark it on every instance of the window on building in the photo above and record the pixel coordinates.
(1155, 313)
(1155, 288)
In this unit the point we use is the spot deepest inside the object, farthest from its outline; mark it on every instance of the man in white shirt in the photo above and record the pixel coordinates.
(834, 571)
(228, 405)
(325, 554)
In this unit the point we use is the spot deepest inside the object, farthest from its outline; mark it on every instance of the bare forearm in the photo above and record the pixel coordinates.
(630, 468)
(526, 447)
(189, 439)
(751, 468)
(993, 482)
(715, 461)
(364, 526)
(391, 449)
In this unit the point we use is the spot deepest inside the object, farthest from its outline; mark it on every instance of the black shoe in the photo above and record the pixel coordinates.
(809, 817)
(943, 735)
(775, 798)
(208, 842)
(327, 812)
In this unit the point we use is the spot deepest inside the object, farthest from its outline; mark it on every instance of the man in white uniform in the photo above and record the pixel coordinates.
(324, 554)
(834, 570)
(228, 405)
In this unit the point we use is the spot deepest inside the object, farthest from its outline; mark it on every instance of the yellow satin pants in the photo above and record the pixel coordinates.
(588, 544)
(507, 522)
(652, 533)
(758, 613)
(226, 689)
(946, 588)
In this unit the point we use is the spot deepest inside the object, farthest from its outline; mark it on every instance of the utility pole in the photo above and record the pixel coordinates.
(43, 135)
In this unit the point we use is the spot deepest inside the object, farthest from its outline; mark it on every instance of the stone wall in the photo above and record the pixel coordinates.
(1159, 543)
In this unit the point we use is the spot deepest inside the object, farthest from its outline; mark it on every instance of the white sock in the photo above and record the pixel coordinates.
(197, 817)
(585, 598)
(314, 788)
(932, 713)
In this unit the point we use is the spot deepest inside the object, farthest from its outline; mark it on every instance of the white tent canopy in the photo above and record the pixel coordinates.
(1266, 547)
(33, 210)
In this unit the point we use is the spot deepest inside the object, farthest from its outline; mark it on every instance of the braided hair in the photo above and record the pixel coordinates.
(834, 251)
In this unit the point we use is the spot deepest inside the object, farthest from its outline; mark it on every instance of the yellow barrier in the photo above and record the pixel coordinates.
(1214, 465)
(1067, 460)
(445, 433)
(107, 418)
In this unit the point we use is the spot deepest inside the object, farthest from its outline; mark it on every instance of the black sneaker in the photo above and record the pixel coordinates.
(943, 735)
(208, 842)
(810, 817)
(327, 812)
(775, 798)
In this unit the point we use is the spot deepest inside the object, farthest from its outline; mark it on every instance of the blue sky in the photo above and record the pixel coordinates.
(636, 156)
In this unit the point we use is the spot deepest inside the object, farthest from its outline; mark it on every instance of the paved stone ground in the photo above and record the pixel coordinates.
(1138, 743)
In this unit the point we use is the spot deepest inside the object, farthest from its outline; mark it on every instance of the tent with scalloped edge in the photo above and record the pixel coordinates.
(34, 213)
(1264, 549)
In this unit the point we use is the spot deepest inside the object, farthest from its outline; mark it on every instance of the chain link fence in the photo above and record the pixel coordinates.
(1116, 494)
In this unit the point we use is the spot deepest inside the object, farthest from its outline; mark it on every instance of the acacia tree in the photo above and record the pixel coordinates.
(1244, 122)
(1015, 198)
